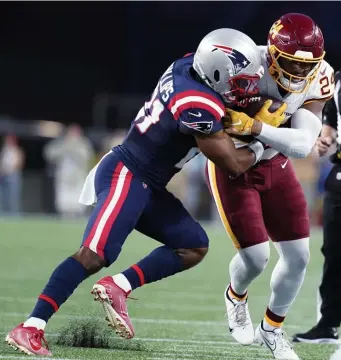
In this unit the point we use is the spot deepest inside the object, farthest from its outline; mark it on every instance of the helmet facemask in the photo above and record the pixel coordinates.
(287, 80)
(236, 88)
(242, 87)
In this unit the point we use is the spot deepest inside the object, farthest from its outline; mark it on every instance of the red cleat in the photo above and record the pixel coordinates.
(28, 340)
(114, 301)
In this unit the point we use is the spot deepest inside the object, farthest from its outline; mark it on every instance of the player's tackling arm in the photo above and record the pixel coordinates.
(201, 116)
(219, 148)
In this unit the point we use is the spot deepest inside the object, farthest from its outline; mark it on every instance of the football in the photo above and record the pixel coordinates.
(255, 103)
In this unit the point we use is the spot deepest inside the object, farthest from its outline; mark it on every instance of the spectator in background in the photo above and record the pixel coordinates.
(11, 164)
(72, 155)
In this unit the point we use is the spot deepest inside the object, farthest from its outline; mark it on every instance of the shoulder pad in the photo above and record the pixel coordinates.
(196, 100)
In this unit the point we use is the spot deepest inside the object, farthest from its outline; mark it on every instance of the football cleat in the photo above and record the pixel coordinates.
(318, 335)
(239, 320)
(277, 342)
(28, 340)
(114, 301)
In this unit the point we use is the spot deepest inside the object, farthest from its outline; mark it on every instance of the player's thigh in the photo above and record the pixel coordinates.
(239, 207)
(121, 198)
(285, 207)
(166, 220)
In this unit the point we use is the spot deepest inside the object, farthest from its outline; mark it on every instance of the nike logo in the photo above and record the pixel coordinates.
(284, 165)
(270, 345)
(33, 346)
(324, 70)
(198, 114)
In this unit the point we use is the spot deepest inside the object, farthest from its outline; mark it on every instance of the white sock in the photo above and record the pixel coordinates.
(268, 327)
(35, 322)
(122, 282)
(288, 274)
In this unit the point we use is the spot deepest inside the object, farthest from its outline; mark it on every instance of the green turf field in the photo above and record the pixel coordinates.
(179, 318)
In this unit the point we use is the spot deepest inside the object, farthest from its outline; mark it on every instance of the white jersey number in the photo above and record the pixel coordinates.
(149, 114)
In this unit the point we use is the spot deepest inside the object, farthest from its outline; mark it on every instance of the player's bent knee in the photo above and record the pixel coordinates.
(89, 259)
(256, 257)
(259, 265)
(296, 254)
(191, 257)
(300, 260)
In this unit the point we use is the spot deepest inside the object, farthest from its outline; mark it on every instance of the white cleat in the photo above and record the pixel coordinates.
(277, 342)
(337, 354)
(240, 324)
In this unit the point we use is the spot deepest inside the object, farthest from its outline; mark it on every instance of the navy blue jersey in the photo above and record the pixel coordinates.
(161, 138)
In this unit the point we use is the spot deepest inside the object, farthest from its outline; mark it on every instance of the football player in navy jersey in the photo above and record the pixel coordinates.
(182, 117)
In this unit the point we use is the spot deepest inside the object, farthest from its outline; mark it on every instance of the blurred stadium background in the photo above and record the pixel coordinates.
(93, 64)
(84, 69)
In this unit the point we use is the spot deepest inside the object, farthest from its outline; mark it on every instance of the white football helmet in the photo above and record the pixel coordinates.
(229, 62)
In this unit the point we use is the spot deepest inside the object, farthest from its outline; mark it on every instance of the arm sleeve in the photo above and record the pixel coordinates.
(296, 142)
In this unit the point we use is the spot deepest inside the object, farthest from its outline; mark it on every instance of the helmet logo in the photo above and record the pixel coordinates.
(275, 29)
(239, 61)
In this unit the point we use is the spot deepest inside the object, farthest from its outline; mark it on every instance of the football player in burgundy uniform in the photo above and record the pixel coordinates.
(267, 201)
(181, 118)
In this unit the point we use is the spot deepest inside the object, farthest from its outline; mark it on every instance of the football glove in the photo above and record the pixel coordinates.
(239, 122)
(271, 118)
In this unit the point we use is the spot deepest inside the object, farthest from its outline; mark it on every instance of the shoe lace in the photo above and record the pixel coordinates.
(239, 314)
(39, 335)
(282, 340)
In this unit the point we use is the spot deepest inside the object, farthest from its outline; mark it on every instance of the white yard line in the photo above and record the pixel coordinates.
(165, 340)
(145, 320)
(187, 349)
(139, 304)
